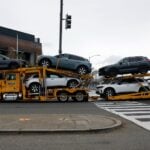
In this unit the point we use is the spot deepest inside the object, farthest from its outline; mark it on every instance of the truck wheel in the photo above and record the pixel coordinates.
(35, 88)
(62, 96)
(80, 96)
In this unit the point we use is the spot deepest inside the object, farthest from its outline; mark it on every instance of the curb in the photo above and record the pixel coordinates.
(117, 124)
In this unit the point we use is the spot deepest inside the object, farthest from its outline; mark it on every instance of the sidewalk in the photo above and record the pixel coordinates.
(44, 123)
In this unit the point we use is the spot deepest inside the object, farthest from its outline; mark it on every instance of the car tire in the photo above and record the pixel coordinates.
(143, 70)
(113, 72)
(72, 83)
(82, 70)
(14, 66)
(109, 92)
(62, 96)
(35, 88)
(45, 62)
(144, 89)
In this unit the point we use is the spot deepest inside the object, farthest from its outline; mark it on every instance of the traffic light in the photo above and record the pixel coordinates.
(68, 22)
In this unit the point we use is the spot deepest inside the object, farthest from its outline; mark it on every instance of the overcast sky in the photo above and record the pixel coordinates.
(110, 28)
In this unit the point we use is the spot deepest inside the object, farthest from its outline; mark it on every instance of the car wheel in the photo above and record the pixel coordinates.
(143, 70)
(35, 88)
(72, 83)
(113, 72)
(143, 89)
(45, 62)
(109, 92)
(14, 66)
(82, 70)
(62, 96)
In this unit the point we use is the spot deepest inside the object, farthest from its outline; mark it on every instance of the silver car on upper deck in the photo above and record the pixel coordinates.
(71, 62)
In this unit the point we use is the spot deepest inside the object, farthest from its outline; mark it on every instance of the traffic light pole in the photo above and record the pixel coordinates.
(60, 27)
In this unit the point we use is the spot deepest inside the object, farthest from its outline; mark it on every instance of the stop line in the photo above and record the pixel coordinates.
(136, 112)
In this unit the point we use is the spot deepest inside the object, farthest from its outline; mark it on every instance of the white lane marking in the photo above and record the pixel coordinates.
(128, 111)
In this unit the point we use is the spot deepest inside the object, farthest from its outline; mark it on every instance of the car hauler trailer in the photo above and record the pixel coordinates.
(12, 86)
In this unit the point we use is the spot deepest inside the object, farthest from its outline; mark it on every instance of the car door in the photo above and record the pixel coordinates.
(12, 82)
(123, 65)
(133, 63)
(54, 80)
(63, 62)
(127, 86)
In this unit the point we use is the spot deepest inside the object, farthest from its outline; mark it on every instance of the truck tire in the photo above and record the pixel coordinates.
(62, 96)
(80, 96)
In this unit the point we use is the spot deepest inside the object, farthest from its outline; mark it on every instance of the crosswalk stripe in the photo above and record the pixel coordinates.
(136, 112)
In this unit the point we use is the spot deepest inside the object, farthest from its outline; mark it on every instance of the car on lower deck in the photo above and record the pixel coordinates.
(121, 86)
(52, 80)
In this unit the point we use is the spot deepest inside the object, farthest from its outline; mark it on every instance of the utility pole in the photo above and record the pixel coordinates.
(60, 27)
(17, 51)
(68, 20)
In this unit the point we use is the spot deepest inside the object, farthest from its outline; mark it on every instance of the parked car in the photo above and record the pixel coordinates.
(52, 80)
(66, 61)
(122, 85)
(7, 63)
(136, 64)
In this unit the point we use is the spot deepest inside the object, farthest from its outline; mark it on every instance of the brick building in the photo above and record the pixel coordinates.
(16, 44)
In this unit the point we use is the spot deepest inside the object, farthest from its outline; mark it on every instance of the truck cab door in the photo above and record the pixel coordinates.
(12, 82)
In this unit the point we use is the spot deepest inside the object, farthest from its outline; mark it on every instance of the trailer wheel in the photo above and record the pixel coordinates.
(62, 96)
(80, 96)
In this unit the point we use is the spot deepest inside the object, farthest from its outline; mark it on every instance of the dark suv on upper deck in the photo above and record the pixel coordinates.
(136, 64)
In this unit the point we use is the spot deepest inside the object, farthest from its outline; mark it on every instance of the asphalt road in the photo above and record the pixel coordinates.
(129, 136)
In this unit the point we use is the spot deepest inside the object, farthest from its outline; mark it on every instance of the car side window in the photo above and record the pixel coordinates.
(75, 57)
(124, 61)
(53, 76)
(64, 56)
(138, 59)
